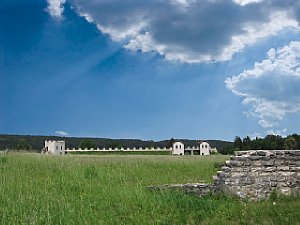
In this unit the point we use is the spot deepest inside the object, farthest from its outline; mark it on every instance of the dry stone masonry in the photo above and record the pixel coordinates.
(256, 174)
(252, 174)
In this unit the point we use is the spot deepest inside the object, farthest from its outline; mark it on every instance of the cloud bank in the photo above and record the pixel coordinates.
(272, 86)
(56, 8)
(190, 30)
(61, 133)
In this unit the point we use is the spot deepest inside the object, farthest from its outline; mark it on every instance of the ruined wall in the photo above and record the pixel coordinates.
(256, 174)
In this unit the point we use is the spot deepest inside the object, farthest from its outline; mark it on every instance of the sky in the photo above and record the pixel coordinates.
(152, 69)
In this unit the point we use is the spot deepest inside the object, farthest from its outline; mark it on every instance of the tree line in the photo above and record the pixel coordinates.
(269, 142)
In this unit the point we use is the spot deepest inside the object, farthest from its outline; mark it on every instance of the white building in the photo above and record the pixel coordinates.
(55, 147)
(178, 148)
(204, 148)
(199, 148)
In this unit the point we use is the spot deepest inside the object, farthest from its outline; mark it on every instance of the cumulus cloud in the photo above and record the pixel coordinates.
(277, 132)
(245, 2)
(56, 8)
(271, 88)
(190, 30)
(62, 133)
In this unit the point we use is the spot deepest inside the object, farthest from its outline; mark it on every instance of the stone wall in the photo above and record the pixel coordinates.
(252, 174)
(256, 174)
(199, 189)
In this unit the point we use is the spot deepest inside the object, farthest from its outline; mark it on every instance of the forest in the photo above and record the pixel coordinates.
(269, 142)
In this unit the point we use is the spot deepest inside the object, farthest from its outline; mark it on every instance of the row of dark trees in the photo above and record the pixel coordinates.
(270, 142)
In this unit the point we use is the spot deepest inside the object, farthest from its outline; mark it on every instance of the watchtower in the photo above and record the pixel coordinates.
(55, 147)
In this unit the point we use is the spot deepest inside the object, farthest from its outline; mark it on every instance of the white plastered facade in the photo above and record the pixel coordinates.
(204, 148)
(178, 148)
(55, 147)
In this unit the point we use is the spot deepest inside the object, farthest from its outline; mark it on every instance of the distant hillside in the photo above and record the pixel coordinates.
(36, 143)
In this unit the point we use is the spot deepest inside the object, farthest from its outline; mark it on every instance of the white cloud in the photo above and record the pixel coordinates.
(56, 8)
(271, 88)
(267, 124)
(245, 2)
(190, 30)
(277, 132)
(62, 133)
(255, 135)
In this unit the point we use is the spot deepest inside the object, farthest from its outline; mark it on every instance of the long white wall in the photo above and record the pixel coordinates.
(178, 148)
(116, 149)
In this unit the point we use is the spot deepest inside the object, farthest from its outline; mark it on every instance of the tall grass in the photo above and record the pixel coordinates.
(39, 189)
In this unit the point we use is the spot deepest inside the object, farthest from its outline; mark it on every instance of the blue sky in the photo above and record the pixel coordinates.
(150, 69)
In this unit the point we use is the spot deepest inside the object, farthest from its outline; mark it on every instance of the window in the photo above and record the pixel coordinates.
(176, 146)
(60, 147)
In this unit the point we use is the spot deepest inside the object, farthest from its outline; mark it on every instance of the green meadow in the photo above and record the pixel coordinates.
(111, 189)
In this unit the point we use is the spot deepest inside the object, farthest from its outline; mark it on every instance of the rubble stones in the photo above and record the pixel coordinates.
(253, 175)
(199, 189)
(265, 172)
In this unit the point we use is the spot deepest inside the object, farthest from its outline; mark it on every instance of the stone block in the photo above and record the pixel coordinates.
(263, 153)
(247, 164)
(248, 181)
(287, 173)
(280, 157)
(294, 168)
(257, 163)
(294, 158)
(254, 157)
(295, 152)
(279, 162)
(235, 175)
(228, 163)
(279, 152)
(256, 169)
(221, 174)
(268, 163)
(236, 163)
(236, 169)
(226, 168)
(283, 168)
(270, 169)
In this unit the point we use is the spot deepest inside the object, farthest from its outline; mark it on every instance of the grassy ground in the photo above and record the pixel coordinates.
(40, 189)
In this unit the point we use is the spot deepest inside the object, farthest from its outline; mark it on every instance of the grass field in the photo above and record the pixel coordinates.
(41, 189)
